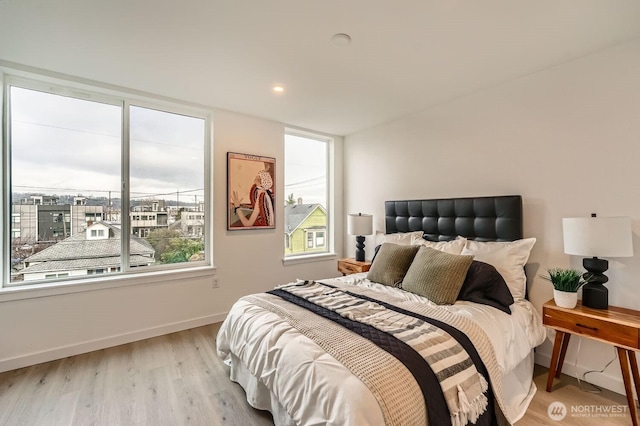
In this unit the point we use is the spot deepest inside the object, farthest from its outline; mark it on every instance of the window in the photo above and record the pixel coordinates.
(315, 239)
(60, 275)
(151, 159)
(306, 193)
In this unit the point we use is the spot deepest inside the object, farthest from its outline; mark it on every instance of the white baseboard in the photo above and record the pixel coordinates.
(107, 342)
(603, 380)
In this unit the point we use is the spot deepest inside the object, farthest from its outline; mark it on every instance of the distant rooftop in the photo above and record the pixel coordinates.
(78, 247)
(90, 263)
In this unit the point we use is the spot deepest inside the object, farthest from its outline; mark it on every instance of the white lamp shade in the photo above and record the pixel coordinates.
(598, 236)
(360, 224)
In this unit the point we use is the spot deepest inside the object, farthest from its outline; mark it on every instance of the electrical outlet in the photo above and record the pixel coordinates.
(215, 282)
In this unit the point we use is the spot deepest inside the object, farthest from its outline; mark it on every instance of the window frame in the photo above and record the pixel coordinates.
(123, 98)
(330, 149)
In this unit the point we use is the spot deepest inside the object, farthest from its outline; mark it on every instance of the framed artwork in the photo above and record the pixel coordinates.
(250, 192)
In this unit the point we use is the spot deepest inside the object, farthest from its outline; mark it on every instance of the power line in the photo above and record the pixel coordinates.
(104, 134)
(62, 189)
(141, 194)
(306, 181)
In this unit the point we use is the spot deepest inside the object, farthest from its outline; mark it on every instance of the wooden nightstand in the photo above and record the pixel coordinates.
(351, 266)
(619, 327)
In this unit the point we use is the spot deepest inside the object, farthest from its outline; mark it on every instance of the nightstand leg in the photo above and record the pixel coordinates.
(634, 371)
(563, 352)
(623, 356)
(557, 358)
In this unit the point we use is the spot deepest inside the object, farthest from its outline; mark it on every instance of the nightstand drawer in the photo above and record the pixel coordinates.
(602, 329)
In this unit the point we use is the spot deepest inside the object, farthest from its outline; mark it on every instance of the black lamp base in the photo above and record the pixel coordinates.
(360, 248)
(594, 294)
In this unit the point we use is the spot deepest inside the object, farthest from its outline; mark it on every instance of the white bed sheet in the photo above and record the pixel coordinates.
(312, 387)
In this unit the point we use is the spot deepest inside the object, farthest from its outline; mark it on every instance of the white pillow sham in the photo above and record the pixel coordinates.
(508, 258)
(400, 238)
(452, 247)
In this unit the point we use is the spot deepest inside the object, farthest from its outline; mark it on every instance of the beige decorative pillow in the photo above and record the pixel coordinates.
(452, 247)
(437, 275)
(391, 263)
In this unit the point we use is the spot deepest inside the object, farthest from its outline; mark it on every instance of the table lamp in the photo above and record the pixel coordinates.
(597, 236)
(360, 225)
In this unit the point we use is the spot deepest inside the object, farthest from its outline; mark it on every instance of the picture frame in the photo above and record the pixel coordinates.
(251, 198)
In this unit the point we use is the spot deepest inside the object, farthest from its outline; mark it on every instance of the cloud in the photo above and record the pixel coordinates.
(74, 145)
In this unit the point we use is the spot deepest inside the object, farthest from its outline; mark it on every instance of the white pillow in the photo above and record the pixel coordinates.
(400, 238)
(451, 247)
(508, 258)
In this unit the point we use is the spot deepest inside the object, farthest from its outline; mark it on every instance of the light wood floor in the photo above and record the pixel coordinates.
(178, 379)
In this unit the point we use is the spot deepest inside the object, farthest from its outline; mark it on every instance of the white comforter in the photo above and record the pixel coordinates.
(313, 388)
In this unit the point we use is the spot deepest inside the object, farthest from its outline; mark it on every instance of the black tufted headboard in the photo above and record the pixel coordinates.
(477, 218)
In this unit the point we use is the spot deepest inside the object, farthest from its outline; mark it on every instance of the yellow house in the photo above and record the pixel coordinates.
(305, 228)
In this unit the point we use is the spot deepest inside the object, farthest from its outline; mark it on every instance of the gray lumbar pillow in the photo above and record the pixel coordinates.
(391, 263)
(437, 275)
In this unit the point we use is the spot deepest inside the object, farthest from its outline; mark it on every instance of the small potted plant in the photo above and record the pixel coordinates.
(566, 283)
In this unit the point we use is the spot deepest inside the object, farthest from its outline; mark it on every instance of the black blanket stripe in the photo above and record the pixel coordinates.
(437, 411)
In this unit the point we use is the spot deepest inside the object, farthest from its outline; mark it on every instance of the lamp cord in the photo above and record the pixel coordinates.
(597, 389)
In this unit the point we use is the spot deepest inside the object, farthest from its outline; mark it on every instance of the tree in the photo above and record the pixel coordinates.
(160, 239)
(290, 200)
(180, 250)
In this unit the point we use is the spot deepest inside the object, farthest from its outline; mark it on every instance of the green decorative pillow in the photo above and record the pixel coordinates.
(391, 263)
(437, 275)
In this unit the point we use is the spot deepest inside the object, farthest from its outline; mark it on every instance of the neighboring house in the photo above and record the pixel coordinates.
(188, 221)
(192, 221)
(94, 251)
(83, 215)
(40, 200)
(305, 228)
(148, 216)
(40, 219)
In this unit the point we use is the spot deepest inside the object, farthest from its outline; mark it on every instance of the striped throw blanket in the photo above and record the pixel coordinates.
(463, 387)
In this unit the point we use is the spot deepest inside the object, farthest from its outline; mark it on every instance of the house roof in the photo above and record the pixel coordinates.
(78, 247)
(90, 263)
(295, 214)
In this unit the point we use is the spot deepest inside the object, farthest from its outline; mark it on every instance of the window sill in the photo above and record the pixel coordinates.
(20, 292)
(308, 258)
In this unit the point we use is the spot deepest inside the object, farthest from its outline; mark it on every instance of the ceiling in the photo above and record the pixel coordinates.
(405, 56)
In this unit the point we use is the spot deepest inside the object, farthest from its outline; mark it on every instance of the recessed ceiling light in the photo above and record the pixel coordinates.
(278, 88)
(341, 39)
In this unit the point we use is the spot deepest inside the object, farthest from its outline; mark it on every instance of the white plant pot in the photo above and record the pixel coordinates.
(565, 299)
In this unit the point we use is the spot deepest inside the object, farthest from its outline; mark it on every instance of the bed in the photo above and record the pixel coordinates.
(310, 351)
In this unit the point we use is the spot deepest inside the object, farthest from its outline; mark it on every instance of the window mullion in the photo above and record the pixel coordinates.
(5, 202)
(125, 225)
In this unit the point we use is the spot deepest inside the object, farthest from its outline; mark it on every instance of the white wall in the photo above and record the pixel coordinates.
(566, 138)
(44, 328)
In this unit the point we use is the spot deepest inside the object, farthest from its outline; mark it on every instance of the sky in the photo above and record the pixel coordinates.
(305, 169)
(64, 145)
